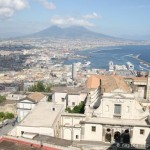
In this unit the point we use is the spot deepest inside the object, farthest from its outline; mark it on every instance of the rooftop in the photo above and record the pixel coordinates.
(7, 145)
(112, 121)
(140, 79)
(43, 115)
(53, 140)
(70, 90)
(36, 96)
(108, 83)
(93, 82)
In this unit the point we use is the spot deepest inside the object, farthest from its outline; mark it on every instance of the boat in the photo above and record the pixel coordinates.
(87, 63)
(141, 68)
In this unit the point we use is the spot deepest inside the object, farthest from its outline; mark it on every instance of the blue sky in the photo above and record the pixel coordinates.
(112, 17)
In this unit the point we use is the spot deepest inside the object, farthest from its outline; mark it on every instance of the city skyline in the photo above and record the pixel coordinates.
(116, 17)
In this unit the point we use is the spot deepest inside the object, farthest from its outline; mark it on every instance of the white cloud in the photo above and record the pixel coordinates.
(47, 4)
(71, 21)
(9, 7)
(6, 13)
(92, 16)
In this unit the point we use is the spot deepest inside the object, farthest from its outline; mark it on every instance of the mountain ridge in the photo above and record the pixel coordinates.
(72, 32)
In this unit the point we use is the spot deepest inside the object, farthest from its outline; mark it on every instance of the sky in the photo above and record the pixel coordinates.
(122, 18)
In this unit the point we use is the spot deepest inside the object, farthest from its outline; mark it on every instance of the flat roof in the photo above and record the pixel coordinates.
(114, 122)
(43, 115)
(53, 140)
(70, 90)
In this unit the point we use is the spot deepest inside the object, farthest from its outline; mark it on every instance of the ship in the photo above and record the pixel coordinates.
(130, 66)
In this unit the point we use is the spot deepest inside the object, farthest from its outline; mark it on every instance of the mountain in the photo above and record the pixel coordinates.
(73, 32)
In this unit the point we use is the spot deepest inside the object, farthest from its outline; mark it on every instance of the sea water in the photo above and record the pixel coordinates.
(120, 55)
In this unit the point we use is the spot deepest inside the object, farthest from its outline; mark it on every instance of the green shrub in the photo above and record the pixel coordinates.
(77, 109)
(6, 115)
(2, 98)
(9, 115)
(40, 87)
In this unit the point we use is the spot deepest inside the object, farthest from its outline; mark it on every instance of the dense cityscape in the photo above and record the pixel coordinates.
(52, 98)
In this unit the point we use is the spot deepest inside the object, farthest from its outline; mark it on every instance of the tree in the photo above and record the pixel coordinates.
(9, 115)
(77, 109)
(48, 88)
(6, 115)
(40, 87)
(2, 115)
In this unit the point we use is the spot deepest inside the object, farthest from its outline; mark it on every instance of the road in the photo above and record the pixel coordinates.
(5, 129)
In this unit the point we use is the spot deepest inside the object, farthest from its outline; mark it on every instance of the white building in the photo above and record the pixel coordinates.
(113, 113)
(15, 96)
(111, 109)
(69, 96)
(44, 119)
(118, 113)
(71, 127)
(25, 105)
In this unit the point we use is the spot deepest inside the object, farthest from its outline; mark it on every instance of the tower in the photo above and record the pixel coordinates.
(74, 71)
(148, 87)
(111, 66)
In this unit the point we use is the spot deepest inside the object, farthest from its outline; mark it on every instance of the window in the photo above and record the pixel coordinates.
(22, 132)
(141, 131)
(77, 136)
(62, 99)
(117, 109)
(93, 129)
(73, 103)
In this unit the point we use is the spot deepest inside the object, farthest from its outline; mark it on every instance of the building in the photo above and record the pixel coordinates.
(69, 96)
(112, 110)
(111, 66)
(115, 112)
(119, 112)
(71, 127)
(25, 105)
(15, 96)
(44, 119)
(74, 71)
(148, 88)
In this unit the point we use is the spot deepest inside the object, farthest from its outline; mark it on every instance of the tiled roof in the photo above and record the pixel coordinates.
(93, 82)
(36, 96)
(139, 78)
(108, 83)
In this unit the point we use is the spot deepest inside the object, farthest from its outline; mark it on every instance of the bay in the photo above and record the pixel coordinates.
(120, 55)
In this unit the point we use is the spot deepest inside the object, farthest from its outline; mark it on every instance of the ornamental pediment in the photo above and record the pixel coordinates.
(118, 96)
